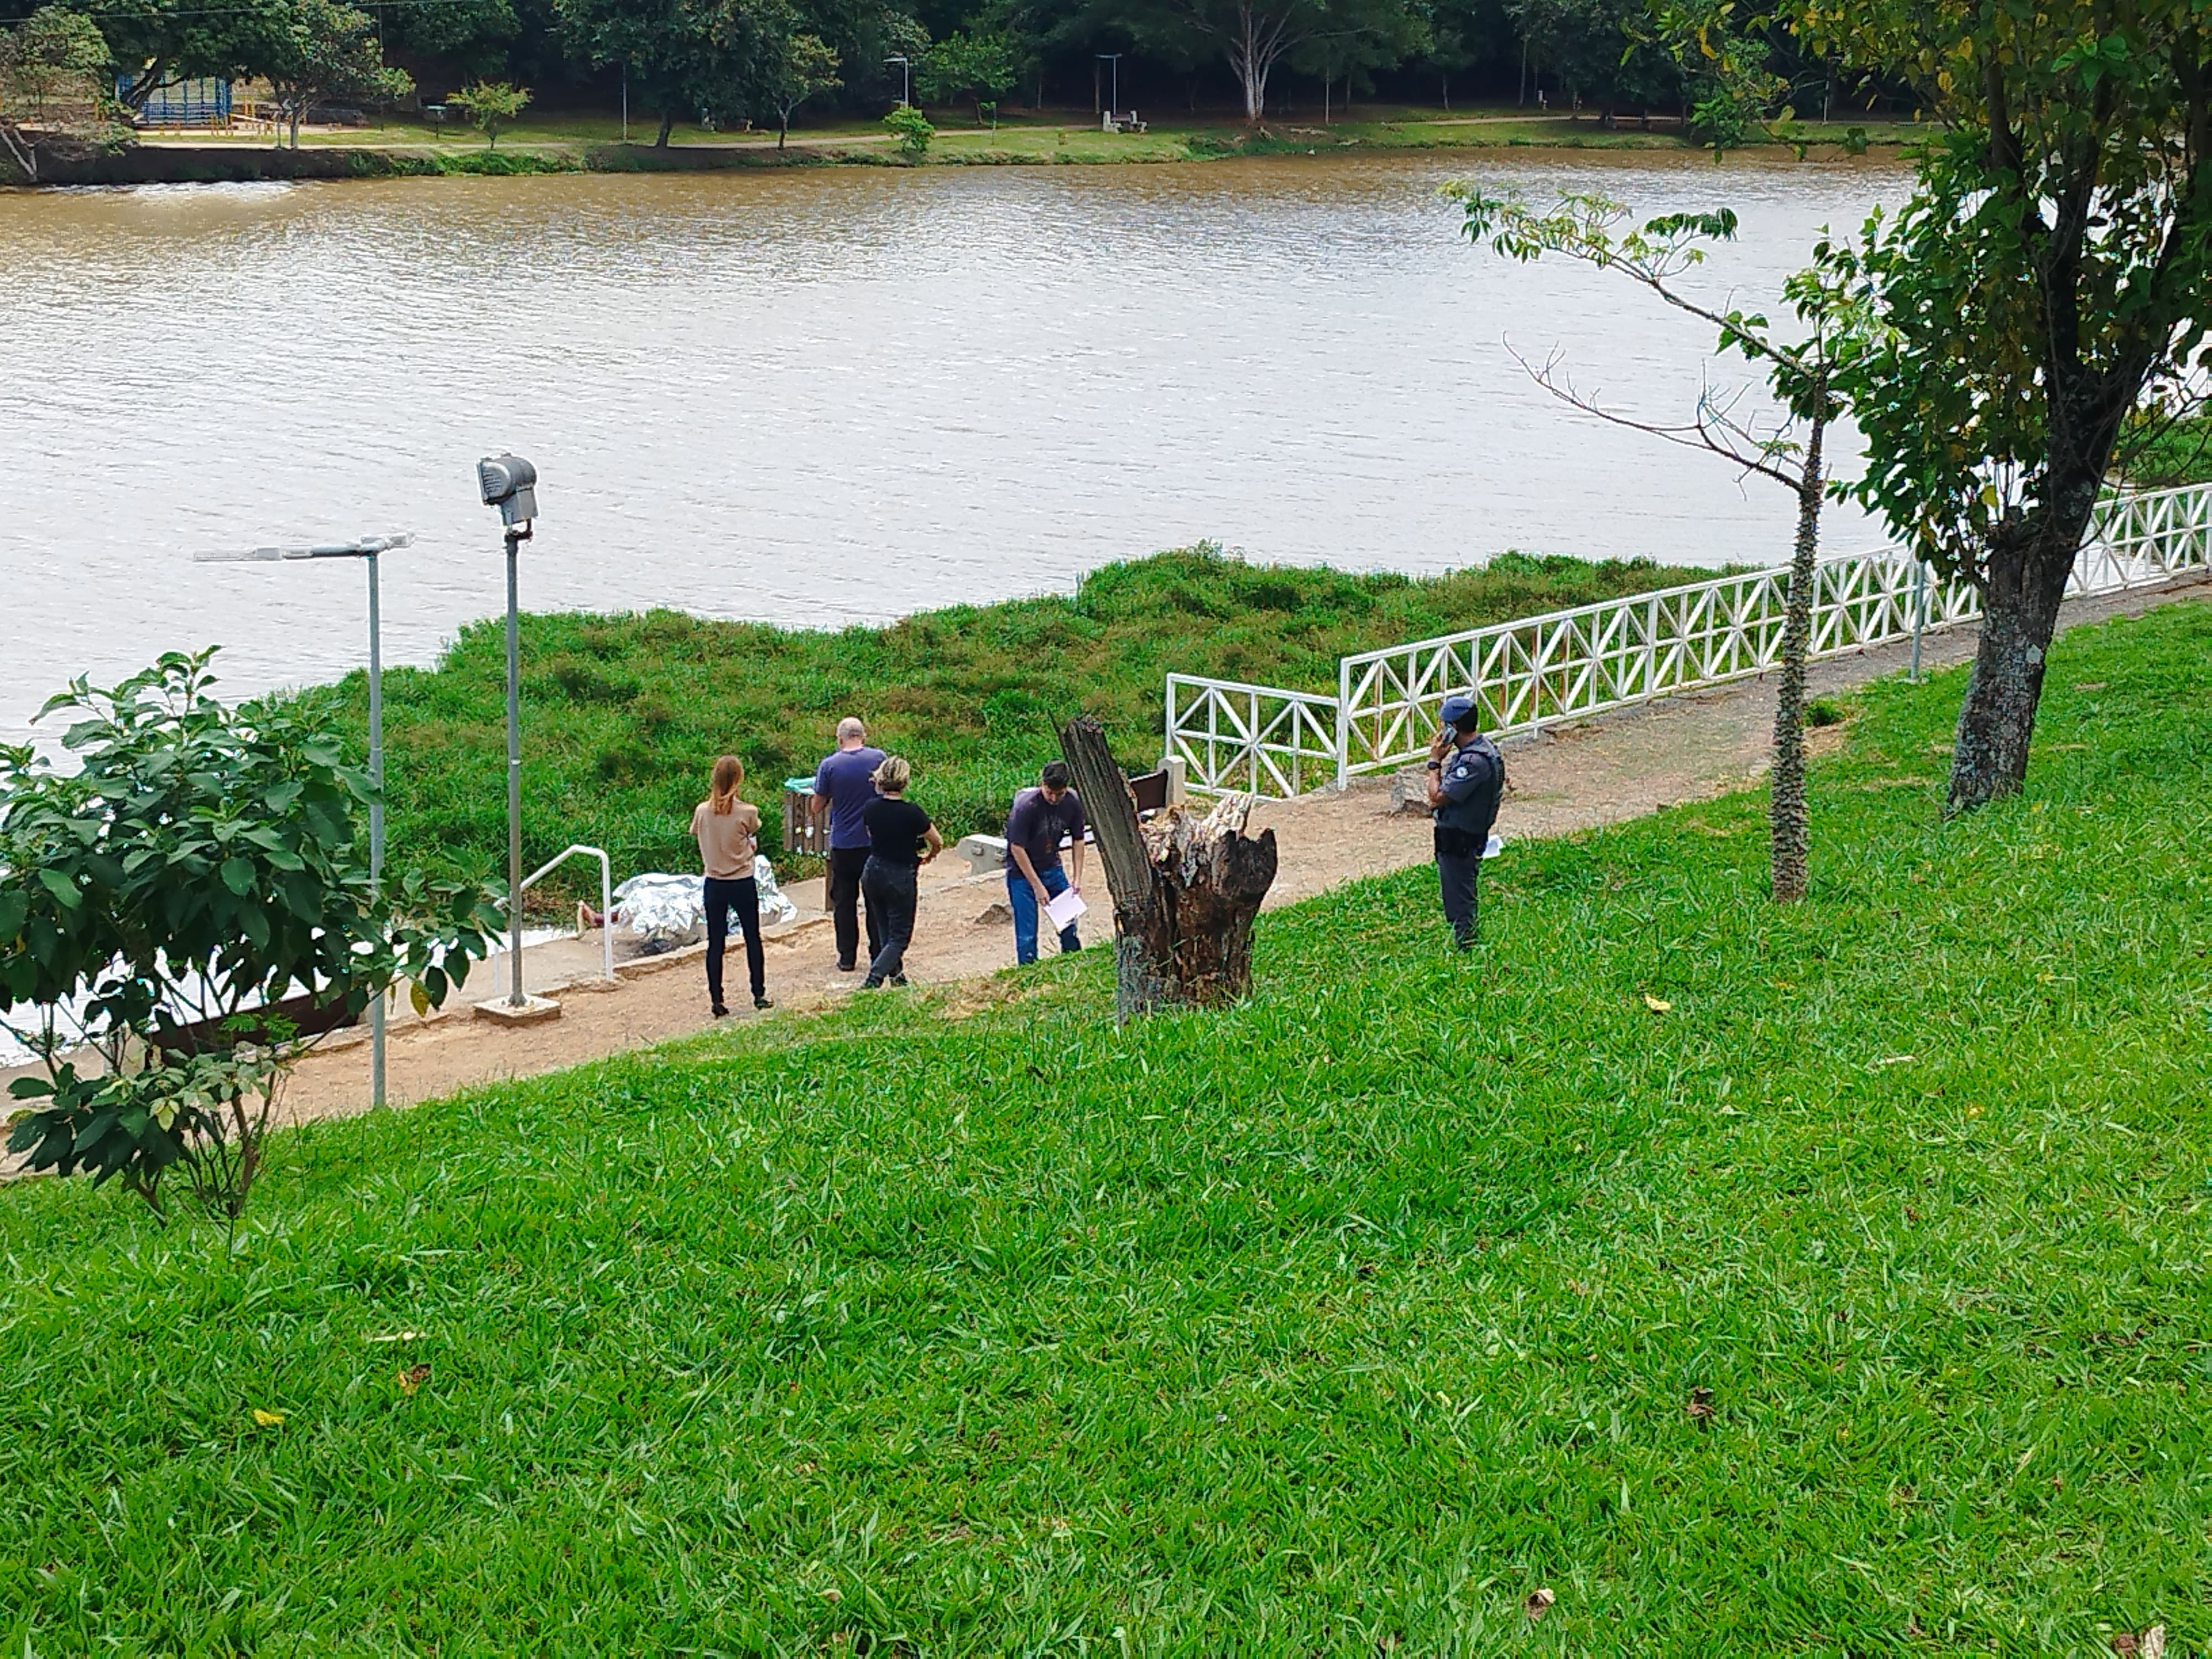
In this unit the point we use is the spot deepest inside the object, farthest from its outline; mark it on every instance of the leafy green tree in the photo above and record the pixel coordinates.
(978, 66)
(913, 130)
(315, 52)
(53, 65)
(161, 902)
(1358, 38)
(1833, 330)
(1457, 35)
(2047, 279)
(715, 58)
(804, 67)
(493, 105)
(1590, 46)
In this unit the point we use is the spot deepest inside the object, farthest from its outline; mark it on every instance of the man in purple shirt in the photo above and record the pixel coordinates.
(844, 784)
(1041, 816)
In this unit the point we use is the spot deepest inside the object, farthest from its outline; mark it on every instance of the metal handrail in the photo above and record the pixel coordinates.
(606, 900)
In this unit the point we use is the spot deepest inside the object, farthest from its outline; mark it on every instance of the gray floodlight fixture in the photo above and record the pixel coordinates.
(509, 483)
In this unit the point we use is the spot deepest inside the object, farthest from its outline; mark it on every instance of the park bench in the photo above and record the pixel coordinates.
(1123, 121)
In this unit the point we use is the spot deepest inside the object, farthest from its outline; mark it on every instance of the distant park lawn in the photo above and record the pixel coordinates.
(624, 714)
(1052, 135)
(1751, 1281)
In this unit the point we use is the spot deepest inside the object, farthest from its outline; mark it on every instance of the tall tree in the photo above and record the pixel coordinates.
(2049, 275)
(51, 67)
(1804, 374)
(1590, 46)
(315, 52)
(709, 58)
(977, 66)
(803, 66)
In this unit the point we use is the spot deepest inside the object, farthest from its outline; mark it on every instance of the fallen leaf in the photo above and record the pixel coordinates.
(1656, 1004)
(2090, 685)
(2151, 1644)
(398, 1336)
(1699, 1407)
(411, 1378)
(833, 1594)
(1897, 1060)
(268, 1419)
(1539, 1600)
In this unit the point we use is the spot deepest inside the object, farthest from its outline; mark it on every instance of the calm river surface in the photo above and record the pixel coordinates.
(816, 397)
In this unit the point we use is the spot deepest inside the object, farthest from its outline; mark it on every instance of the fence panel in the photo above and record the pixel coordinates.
(1257, 740)
(1569, 664)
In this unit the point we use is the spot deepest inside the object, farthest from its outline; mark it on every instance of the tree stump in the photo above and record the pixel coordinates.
(1186, 887)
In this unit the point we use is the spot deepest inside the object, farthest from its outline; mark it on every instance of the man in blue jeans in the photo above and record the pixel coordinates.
(1034, 876)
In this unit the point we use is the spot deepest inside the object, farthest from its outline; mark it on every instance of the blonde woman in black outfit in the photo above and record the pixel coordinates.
(901, 840)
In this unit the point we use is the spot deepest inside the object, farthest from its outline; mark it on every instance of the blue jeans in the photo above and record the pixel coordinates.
(1023, 902)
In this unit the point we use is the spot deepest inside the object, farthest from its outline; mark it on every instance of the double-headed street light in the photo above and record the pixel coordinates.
(510, 483)
(369, 548)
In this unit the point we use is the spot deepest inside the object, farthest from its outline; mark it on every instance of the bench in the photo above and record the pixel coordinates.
(1123, 121)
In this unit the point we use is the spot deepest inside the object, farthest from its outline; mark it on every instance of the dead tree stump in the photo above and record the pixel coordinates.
(1186, 887)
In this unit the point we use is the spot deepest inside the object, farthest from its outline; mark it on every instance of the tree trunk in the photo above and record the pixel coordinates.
(1786, 815)
(1185, 889)
(23, 150)
(667, 126)
(783, 129)
(2025, 582)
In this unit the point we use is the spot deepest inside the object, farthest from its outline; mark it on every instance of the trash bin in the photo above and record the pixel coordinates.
(803, 831)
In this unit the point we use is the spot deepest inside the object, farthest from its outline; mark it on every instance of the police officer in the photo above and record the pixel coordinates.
(1466, 776)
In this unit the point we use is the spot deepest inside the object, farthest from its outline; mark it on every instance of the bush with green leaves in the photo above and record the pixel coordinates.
(912, 129)
(192, 905)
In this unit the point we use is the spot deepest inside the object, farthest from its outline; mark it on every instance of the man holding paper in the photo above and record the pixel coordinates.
(1035, 880)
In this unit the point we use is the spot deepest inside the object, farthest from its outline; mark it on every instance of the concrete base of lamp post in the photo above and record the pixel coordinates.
(533, 1010)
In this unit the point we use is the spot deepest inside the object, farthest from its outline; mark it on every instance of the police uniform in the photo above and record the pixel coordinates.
(1471, 779)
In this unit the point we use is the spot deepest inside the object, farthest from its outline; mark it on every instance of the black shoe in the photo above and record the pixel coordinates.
(762, 1002)
(898, 979)
(848, 967)
(872, 983)
(722, 1012)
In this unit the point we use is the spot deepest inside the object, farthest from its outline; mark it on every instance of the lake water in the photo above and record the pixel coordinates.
(817, 396)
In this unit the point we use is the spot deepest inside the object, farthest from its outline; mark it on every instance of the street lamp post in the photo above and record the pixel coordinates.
(369, 549)
(906, 69)
(1114, 100)
(510, 483)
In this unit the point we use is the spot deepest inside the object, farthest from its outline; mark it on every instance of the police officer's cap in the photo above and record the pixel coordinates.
(1457, 708)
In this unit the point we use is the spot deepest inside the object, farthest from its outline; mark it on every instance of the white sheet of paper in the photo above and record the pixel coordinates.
(1065, 908)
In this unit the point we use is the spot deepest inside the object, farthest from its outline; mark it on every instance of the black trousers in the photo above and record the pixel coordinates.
(1459, 865)
(892, 897)
(846, 864)
(742, 895)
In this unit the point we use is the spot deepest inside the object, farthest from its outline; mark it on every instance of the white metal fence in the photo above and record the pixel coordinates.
(1569, 664)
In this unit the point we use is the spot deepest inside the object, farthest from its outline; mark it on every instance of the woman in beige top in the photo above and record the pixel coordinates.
(727, 829)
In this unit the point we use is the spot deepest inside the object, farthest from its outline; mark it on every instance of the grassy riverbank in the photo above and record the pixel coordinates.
(625, 713)
(1755, 1281)
(595, 144)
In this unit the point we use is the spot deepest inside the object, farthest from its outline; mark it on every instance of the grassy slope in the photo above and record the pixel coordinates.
(624, 714)
(1356, 1313)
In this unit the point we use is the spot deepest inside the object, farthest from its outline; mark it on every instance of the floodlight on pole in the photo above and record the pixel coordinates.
(369, 549)
(906, 68)
(510, 483)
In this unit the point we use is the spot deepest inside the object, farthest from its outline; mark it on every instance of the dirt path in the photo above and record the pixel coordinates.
(1620, 766)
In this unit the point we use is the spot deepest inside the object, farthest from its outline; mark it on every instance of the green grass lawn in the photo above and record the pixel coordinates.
(625, 715)
(1337, 1323)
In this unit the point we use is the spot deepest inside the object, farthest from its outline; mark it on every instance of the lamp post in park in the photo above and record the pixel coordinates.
(369, 549)
(510, 483)
(1114, 98)
(906, 68)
